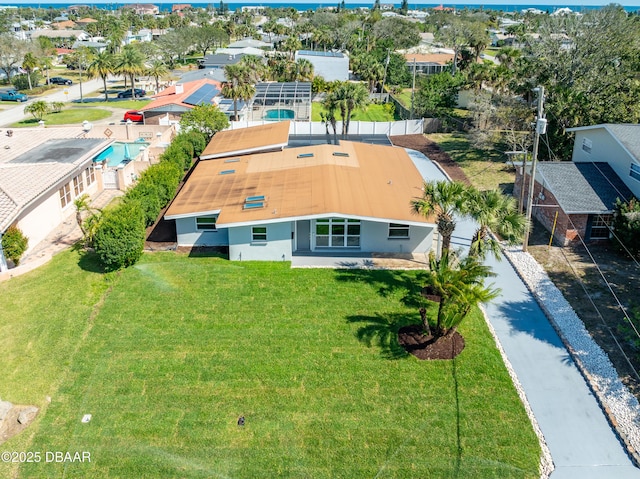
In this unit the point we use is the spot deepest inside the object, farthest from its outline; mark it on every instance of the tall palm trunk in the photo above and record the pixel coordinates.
(446, 226)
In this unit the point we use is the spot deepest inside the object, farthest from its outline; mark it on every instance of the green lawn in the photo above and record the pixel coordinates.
(374, 112)
(485, 170)
(68, 116)
(168, 354)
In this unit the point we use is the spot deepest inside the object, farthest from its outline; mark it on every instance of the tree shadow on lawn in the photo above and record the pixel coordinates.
(389, 283)
(89, 260)
(381, 330)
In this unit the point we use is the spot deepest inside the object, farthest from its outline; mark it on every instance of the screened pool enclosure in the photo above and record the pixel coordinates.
(277, 101)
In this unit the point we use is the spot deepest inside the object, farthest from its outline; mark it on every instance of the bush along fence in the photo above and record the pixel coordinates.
(119, 238)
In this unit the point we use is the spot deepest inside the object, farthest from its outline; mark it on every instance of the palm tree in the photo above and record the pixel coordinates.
(46, 62)
(102, 66)
(444, 199)
(157, 70)
(130, 62)
(458, 286)
(29, 63)
(238, 86)
(291, 45)
(493, 211)
(238, 91)
(304, 70)
(356, 98)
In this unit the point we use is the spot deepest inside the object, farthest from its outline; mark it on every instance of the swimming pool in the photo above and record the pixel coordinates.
(280, 114)
(120, 151)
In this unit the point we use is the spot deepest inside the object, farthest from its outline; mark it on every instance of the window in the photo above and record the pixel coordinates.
(635, 171)
(78, 185)
(90, 173)
(586, 145)
(397, 230)
(206, 223)
(65, 195)
(337, 233)
(600, 226)
(259, 233)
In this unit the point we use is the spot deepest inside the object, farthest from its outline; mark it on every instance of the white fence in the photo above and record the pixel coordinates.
(367, 128)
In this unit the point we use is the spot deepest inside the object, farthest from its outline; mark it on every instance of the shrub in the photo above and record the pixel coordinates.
(119, 240)
(197, 139)
(14, 244)
(626, 226)
(21, 82)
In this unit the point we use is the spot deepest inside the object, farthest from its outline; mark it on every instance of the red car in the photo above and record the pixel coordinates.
(134, 115)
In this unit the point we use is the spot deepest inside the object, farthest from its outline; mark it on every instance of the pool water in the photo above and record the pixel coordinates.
(120, 151)
(280, 115)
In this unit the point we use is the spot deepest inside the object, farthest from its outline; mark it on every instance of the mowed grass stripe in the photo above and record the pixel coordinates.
(183, 346)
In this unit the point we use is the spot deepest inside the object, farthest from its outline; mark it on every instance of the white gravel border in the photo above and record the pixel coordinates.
(620, 406)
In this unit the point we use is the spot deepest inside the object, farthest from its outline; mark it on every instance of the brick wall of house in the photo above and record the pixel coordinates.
(568, 227)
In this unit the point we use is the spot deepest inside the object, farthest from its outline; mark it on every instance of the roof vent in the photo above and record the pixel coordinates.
(179, 88)
(305, 155)
(227, 172)
(340, 153)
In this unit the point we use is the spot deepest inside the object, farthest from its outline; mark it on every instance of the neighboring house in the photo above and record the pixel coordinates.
(583, 192)
(219, 60)
(62, 38)
(143, 35)
(97, 46)
(251, 43)
(64, 24)
(169, 105)
(42, 171)
(325, 199)
(616, 144)
(240, 51)
(23, 29)
(430, 63)
(329, 65)
(83, 22)
(178, 7)
(142, 8)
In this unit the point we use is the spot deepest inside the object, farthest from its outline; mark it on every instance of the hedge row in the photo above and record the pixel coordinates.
(119, 241)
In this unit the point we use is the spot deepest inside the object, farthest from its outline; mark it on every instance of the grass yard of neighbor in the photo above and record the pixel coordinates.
(373, 112)
(166, 356)
(485, 170)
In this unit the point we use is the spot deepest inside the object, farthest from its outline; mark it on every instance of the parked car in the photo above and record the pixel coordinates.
(133, 115)
(60, 81)
(13, 95)
(127, 93)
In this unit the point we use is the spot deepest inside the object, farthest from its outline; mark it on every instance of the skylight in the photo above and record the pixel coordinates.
(340, 153)
(305, 155)
(227, 172)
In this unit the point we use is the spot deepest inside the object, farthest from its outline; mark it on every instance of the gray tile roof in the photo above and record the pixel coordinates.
(583, 187)
(629, 136)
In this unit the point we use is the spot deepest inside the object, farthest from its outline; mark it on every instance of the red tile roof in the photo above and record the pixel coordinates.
(168, 96)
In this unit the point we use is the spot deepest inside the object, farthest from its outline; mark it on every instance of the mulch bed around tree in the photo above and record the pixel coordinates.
(432, 151)
(416, 343)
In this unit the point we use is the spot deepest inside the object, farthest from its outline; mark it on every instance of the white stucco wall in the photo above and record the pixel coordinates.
(189, 235)
(605, 148)
(329, 68)
(38, 221)
(276, 248)
(374, 237)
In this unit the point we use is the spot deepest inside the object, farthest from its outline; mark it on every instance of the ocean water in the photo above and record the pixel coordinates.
(304, 5)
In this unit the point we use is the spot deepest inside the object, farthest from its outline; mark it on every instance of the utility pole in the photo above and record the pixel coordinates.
(413, 88)
(541, 129)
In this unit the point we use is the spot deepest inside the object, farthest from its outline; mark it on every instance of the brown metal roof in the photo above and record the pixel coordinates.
(247, 140)
(373, 181)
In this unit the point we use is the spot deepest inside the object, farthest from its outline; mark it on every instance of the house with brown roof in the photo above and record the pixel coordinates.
(170, 104)
(429, 63)
(266, 202)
